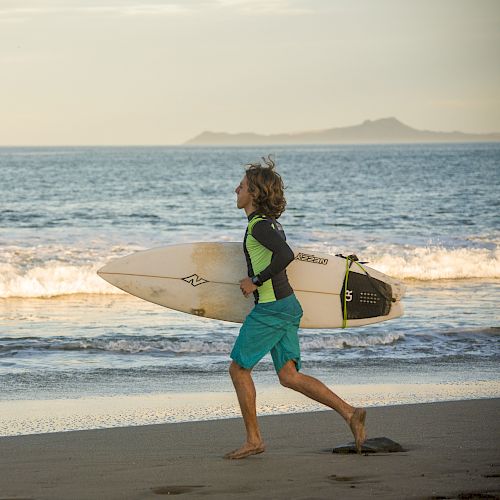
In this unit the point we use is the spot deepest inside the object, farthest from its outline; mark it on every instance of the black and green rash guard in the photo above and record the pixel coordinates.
(267, 255)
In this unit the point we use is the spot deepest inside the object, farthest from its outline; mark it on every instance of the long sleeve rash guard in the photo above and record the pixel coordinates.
(268, 255)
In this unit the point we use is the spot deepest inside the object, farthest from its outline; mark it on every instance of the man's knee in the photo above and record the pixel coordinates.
(288, 375)
(235, 370)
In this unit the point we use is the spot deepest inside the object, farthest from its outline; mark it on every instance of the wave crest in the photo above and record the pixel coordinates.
(438, 263)
(157, 345)
(53, 278)
(50, 280)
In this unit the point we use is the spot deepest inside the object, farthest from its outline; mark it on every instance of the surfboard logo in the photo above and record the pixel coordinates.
(195, 280)
(348, 295)
(305, 257)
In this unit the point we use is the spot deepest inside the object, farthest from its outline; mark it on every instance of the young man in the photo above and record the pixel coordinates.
(273, 323)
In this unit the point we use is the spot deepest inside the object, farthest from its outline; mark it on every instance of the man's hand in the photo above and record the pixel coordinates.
(247, 287)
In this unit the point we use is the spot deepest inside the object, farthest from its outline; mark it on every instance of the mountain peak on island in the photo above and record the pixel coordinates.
(381, 131)
(390, 121)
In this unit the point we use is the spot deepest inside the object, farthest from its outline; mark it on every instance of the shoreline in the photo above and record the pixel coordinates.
(451, 450)
(43, 416)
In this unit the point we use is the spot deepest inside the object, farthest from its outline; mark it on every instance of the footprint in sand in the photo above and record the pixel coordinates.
(174, 490)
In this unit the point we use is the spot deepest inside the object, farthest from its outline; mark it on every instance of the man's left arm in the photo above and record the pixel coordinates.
(283, 255)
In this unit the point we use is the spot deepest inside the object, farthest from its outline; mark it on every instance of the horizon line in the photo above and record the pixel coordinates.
(184, 145)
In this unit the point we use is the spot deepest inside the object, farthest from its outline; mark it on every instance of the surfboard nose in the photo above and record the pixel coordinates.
(111, 272)
(103, 270)
(108, 268)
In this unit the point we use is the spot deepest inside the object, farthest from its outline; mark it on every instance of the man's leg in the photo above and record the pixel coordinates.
(245, 390)
(315, 389)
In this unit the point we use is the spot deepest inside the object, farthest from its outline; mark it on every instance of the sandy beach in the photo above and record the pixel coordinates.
(451, 452)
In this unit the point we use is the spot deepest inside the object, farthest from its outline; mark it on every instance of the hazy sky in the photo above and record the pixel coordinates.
(160, 72)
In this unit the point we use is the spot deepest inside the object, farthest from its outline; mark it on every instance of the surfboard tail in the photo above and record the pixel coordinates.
(398, 291)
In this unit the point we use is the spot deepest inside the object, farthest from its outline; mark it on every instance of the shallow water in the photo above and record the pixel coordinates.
(427, 214)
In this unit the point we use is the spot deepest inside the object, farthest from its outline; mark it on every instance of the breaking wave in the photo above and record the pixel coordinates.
(33, 276)
(52, 279)
(438, 263)
(162, 345)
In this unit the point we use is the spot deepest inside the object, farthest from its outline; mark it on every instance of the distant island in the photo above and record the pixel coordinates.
(382, 131)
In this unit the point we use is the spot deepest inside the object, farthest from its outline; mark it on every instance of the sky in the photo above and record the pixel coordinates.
(144, 72)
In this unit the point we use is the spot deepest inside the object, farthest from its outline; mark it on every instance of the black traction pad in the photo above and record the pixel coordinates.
(367, 297)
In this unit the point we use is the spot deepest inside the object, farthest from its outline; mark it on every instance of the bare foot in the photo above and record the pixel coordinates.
(245, 451)
(357, 425)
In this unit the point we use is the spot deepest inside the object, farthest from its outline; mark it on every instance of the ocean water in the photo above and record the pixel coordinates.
(426, 214)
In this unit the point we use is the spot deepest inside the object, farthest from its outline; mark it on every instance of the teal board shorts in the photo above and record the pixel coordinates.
(271, 326)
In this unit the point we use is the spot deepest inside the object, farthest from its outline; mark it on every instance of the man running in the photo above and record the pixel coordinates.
(273, 323)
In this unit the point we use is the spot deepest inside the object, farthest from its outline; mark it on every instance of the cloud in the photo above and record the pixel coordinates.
(10, 11)
(269, 7)
(465, 104)
(139, 10)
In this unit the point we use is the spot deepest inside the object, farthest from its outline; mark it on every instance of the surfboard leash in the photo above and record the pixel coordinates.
(348, 263)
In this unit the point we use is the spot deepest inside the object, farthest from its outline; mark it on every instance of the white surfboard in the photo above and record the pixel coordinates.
(203, 279)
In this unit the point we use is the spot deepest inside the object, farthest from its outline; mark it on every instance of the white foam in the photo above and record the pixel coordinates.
(164, 345)
(340, 341)
(438, 263)
(19, 278)
(52, 279)
(200, 346)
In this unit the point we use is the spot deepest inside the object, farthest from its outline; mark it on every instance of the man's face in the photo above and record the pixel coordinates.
(243, 197)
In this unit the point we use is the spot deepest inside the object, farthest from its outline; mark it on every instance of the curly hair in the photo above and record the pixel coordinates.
(266, 187)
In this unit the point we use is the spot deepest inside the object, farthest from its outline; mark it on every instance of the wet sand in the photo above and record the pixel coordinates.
(452, 451)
